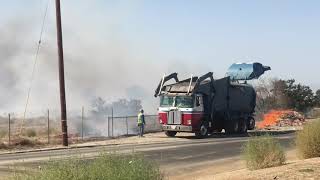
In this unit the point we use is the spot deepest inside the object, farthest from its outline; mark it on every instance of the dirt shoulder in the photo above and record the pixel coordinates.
(302, 169)
(151, 138)
(235, 168)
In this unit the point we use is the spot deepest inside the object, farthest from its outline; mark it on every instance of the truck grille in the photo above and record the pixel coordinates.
(174, 117)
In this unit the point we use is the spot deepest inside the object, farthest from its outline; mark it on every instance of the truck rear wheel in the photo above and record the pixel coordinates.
(232, 127)
(218, 130)
(171, 133)
(251, 123)
(203, 132)
(243, 126)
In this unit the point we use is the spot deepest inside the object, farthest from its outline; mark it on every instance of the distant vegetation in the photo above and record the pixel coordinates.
(30, 133)
(285, 94)
(106, 166)
(263, 152)
(308, 140)
(3, 133)
(121, 107)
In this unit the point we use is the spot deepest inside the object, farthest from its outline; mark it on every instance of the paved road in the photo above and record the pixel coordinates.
(172, 157)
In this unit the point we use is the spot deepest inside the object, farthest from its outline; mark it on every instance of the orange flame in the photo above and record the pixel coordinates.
(271, 118)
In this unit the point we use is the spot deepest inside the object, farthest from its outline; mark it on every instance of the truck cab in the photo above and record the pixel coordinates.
(181, 113)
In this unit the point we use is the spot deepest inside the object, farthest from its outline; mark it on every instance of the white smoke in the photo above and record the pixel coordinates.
(99, 62)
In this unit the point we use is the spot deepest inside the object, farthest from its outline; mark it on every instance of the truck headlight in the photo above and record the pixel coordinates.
(189, 122)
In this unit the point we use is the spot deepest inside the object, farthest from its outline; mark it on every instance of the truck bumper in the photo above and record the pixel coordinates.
(179, 128)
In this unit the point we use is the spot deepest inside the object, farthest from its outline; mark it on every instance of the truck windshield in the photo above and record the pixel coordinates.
(166, 101)
(176, 101)
(184, 101)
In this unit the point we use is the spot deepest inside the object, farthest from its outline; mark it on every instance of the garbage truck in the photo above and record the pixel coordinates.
(204, 105)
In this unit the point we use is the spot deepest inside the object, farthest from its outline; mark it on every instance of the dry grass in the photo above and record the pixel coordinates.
(25, 142)
(21, 143)
(308, 140)
(3, 133)
(30, 133)
(106, 166)
(263, 152)
(3, 146)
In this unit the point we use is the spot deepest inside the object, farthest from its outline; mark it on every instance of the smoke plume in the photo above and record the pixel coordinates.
(97, 64)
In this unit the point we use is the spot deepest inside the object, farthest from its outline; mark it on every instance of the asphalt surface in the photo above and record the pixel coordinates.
(173, 157)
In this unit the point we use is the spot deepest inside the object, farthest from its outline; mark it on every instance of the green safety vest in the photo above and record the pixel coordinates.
(140, 118)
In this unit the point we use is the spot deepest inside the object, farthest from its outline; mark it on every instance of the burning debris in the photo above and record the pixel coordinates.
(281, 118)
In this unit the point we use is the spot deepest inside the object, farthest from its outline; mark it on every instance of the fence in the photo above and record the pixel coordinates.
(47, 128)
(127, 125)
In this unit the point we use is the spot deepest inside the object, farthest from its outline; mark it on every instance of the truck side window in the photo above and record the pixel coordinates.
(197, 101)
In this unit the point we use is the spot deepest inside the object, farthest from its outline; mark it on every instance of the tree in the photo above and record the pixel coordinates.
(124, 107)
(284, 94)
(300, 96)
(317, 98)
(279, 95)
(121, 107)
(270, 95)
(99, 107)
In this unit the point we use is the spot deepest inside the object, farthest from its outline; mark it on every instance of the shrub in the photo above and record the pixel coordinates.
(308, 140)
(3, 133)
(263, 152)
(25, 142)
(111, 167)
(31, 133)
(3, 146)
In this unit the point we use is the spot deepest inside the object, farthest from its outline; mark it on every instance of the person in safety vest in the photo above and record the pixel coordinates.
(141, 122)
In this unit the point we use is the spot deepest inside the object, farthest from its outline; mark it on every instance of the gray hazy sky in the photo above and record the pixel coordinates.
(121, 48)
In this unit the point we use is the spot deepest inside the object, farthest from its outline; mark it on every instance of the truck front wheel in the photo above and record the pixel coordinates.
(171, 133)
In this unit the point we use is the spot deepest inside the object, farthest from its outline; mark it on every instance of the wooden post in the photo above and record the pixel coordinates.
(127, 125)
(48, 123)
(112, 121)
(9, 130)
(82, 118)
(108, 127)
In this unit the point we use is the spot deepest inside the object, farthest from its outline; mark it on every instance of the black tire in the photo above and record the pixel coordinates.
(251, 123)
(243, 126)
(171, 133)
(218, 130)
(232, 127)
(203, 132)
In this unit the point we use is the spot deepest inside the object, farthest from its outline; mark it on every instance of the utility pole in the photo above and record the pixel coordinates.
(61, 77)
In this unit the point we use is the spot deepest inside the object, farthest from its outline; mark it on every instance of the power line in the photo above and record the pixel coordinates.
(34, 64)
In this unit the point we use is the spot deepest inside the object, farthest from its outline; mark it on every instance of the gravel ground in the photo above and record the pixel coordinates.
(302, 169)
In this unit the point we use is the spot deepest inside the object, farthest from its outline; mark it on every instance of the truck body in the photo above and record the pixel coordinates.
(202, 105)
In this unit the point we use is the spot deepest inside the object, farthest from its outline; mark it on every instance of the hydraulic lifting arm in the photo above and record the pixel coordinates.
(204, 77)
(164, 80)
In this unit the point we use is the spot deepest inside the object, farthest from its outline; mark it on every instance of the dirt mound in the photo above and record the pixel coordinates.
(291, 118)
(281, 118)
